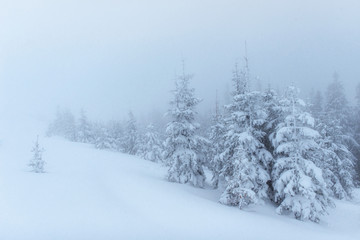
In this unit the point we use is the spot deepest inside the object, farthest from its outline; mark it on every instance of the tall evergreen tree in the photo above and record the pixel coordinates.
(181, 145)
(299, 186)
(335, 160)
(244, 158)
(335, 126)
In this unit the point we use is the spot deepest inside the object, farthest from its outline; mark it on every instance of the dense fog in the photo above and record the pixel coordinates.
(110, 57)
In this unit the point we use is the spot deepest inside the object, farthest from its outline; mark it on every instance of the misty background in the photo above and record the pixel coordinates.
(110, 57)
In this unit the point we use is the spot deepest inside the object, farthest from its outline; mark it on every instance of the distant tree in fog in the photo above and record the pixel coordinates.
(130, 141)
(103, 138)
(84, 129)
(64, 125)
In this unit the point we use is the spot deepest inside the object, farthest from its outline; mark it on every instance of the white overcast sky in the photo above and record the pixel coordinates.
(112, 56)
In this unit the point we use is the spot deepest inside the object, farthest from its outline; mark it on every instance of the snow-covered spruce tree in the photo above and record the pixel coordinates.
(84, 129)
(336, 164)
(116, 135)
(335, 160)
(37, 162)
(244, 158)
(181, 145)
(271, 104)
(103, 139)
(216, 137)
(338, 140)
(151, 147)
(273, 110)
(130, 140)
(298, 183)
(337, 112)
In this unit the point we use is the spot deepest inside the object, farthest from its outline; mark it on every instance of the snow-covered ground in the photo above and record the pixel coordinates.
(95, 194)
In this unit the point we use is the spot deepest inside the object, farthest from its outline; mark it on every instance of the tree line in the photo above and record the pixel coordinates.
(262, 146)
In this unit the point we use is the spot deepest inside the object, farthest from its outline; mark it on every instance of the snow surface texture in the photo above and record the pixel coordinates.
(87, 193)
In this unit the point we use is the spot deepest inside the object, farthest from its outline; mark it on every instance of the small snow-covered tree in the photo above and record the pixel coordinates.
(244, 159)
(181, 146)
(151, 147)
(37, 162)
(299, 186)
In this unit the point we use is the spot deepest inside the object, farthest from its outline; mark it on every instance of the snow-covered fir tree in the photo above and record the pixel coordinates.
(37, 162)
(216, 136)
(336, 111)
(337, 165)
(244, 158)
(84, 129)
(335, 160)
(271, 105)
(103, 139)
(298, 183)
(337, 115)
(337, 141)
(151, 147)
(116, 135)
(130, 140)
(181, 146)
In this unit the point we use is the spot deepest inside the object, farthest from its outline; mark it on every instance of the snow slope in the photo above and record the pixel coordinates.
(96, 194)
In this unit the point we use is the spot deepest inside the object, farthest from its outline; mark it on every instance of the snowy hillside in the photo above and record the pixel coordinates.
(98, 194)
